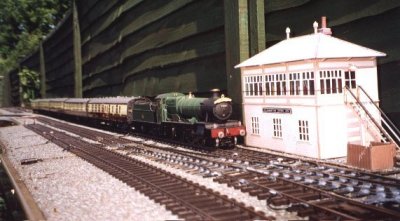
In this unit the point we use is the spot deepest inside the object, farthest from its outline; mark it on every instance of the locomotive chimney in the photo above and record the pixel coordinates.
(215, 93)
(324, 29)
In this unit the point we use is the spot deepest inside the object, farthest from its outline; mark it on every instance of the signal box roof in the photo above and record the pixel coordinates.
(307, 47)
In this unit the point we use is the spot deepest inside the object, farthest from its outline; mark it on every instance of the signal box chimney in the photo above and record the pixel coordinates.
(324, 29)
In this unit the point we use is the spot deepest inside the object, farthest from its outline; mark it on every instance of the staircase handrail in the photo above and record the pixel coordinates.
(368, 114)
(387, 120)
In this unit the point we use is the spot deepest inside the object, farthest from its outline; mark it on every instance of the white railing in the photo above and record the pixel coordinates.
(376, 121)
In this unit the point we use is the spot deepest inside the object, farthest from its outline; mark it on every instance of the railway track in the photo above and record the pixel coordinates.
(257, 157)
(309, 194)
(307, 165)
(250, 156)
(283, 193)
(16, 110)
(184, 198)
(287, 183)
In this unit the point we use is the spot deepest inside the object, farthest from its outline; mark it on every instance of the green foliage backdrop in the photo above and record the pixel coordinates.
(23, 23)
(29, 85)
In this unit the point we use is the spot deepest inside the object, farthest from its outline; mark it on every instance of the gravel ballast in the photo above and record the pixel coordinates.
(68, 188)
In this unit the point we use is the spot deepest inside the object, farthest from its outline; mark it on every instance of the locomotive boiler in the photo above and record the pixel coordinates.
(217, 109)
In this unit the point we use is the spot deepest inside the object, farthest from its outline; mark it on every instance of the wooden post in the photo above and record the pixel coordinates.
(241, 41)
(77, 52)
(42, 71)
(256, 26)
(2, 91)
(237, 48)
(20, 100)
(6, 90)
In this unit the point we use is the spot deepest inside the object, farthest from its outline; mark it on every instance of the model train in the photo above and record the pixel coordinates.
(201, 121)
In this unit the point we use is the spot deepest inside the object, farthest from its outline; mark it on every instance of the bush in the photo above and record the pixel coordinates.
(30, 85)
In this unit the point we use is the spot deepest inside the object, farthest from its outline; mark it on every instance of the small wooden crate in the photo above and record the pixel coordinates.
(378, 156)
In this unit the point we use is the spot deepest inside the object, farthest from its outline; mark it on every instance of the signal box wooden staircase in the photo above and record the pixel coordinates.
(373, 139)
